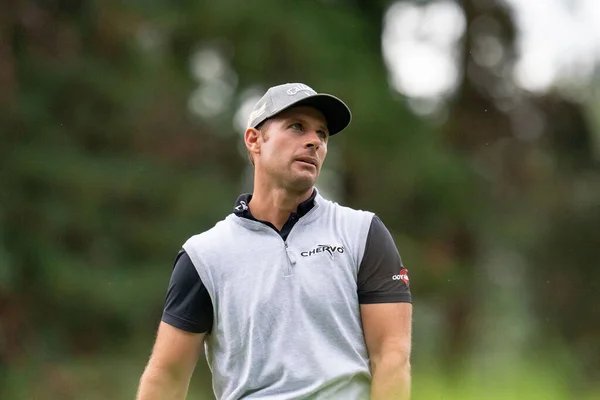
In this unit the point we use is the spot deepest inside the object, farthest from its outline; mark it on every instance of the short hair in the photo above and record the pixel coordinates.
(262, 128)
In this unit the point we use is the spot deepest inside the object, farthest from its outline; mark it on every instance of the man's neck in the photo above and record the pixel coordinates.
(276, 205)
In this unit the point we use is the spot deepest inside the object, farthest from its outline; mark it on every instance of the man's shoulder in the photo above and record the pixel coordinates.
(345, 210)
(348, 219)
(219, 231)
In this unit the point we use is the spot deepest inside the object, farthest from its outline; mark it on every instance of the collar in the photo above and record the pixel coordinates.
(241, 206)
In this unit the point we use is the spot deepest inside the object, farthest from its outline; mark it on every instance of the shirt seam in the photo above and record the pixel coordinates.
(368, 222)
(210, 285)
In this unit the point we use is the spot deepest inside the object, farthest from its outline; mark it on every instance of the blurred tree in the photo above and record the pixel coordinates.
(536, 153)
(117, 144)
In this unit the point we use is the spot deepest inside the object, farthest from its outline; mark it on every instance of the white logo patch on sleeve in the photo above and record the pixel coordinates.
(403, 276)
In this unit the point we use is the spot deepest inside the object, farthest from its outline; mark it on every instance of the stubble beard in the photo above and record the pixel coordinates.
(291, 178)
(299, 182)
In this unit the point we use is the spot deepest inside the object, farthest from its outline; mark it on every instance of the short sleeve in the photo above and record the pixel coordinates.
(381, 277)
(188, 305)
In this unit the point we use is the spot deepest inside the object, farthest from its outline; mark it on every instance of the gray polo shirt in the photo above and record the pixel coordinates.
(282, 308)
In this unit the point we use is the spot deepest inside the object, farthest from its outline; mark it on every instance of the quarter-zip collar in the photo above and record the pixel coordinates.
(242, 210)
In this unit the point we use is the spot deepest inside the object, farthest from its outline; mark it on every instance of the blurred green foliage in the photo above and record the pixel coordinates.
(106, 169)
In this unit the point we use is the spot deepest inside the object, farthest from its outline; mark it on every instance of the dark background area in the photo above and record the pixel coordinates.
(120, 137)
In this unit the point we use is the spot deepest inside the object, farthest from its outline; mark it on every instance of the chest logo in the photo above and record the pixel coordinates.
(324, 248)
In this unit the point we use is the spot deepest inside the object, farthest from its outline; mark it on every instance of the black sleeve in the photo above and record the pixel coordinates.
(382, 278)
(188, 305)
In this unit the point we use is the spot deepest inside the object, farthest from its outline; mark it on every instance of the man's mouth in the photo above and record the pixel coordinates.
(307, 160)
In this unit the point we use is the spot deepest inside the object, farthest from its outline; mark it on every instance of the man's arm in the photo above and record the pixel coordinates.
(386, 311)
(387, 328)
(186, 320)
(173, 360)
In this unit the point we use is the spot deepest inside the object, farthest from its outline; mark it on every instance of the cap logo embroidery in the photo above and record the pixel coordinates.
(300, 88)
(256, 113)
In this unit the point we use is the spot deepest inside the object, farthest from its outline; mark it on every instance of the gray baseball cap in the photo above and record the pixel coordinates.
(281, 97)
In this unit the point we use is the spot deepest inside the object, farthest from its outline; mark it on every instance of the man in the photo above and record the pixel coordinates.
(292, 296)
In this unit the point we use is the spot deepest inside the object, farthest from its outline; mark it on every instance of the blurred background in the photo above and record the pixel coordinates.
(475, 137)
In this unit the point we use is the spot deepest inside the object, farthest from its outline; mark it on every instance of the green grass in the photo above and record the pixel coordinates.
(115, 377)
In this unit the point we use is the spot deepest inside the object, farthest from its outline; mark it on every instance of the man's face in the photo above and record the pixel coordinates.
(292, 148)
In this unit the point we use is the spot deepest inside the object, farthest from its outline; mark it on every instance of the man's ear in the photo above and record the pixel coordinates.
(252, 140)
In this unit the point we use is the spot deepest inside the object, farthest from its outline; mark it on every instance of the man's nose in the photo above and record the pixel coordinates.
(313, 140)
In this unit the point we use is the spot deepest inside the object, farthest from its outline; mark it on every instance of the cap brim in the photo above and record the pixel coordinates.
(335, 111)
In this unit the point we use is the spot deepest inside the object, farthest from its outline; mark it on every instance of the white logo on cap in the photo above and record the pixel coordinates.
(300, 88)
(256, 113)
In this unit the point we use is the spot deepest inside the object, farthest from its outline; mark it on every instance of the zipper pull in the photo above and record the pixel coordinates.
(290, 255)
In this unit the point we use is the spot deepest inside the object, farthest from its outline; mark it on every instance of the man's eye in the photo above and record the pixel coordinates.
(322, 134)
(296, 125)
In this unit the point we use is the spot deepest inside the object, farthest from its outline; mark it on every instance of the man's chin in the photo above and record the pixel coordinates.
(302, 182)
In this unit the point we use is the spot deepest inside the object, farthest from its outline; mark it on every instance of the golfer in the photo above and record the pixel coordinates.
(291, 296)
